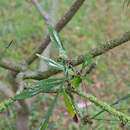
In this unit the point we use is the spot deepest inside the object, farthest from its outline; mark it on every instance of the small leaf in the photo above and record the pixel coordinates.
(69, 105)
(49, 113)
(51, 62)
(41, 86)
(5, 104)
(55, 38)
(76, 81)
(88, 60)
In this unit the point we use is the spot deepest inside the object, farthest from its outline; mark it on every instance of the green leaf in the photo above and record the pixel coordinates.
(69, 104)
(5, 104)
(52, 62)
(88, 60)
(76, 81)
(41, 86)
(49, 113)
(55, 38)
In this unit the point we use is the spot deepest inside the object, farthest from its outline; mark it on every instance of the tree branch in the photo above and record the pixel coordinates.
(41, 11)
(59, 26)
(6, 90)
(122, 117)
(103, 48)
(10, 66)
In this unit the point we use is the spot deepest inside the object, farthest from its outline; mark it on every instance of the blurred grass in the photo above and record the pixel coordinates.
(96, 22)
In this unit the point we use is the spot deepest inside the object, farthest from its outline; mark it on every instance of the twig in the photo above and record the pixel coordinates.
(89, 69)
(41, 11)
(122, 117)
(59, 26)
(94, 52)
(115, 103)
(10, 65)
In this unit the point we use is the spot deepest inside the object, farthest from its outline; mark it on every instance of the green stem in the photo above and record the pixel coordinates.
(124, 118)
(113, 104)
